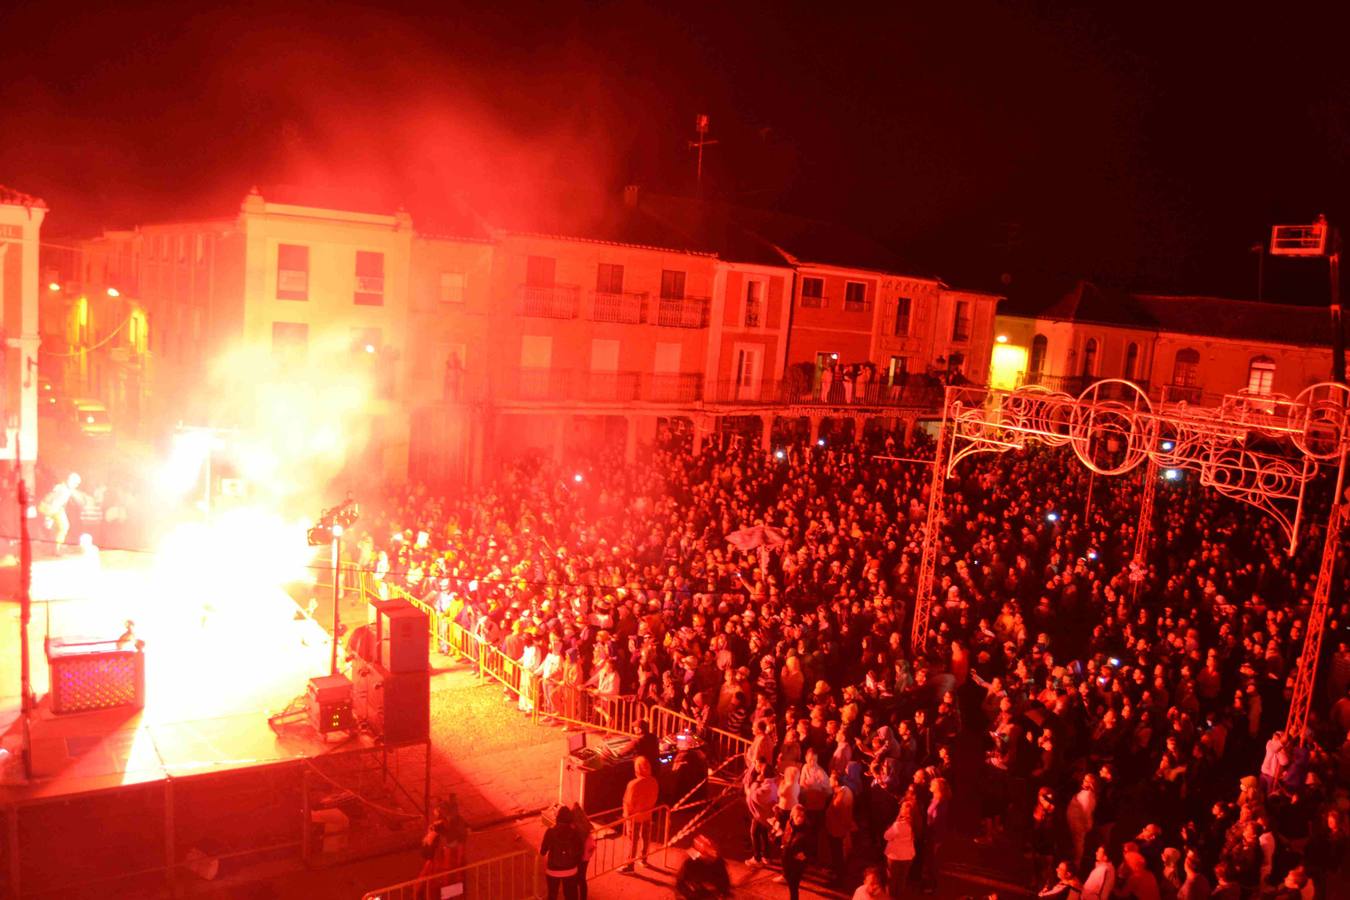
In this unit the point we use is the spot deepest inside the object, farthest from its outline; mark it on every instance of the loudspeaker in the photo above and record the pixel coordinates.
(396, 705)
(404, 639)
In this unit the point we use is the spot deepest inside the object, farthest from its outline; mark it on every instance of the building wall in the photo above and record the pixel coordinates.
(733, 334)
(832, 327)
(1224, 365)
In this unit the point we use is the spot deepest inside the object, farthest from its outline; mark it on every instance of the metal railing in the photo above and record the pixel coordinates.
(540, 384)
(511, 876)
(915, 393)
(612, 385)
(682, 312)
(682, 387)
(627, 307)
(556, 301)
(615, 840)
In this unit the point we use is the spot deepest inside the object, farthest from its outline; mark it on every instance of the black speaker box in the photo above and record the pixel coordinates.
(405, 640)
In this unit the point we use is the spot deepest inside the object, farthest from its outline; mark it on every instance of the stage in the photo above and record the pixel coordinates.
(121, 794)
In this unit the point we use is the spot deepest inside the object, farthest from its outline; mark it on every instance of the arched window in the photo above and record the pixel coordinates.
(1261, 375)
(1186, 370)
(1131, 361)
(1090, 358)
(1036, 363)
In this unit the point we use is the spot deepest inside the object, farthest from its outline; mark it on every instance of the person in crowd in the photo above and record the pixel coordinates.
(901, 839)
(639, 799)
(873, 885)
(796, 850)
(586, 830)
(761, 799)
(1053, 654)
(562, 851)
(703, 874)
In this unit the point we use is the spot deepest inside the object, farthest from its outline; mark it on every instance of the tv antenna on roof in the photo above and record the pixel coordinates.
(701, 126)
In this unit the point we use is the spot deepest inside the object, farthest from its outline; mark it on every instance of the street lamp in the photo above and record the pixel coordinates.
(329, 531)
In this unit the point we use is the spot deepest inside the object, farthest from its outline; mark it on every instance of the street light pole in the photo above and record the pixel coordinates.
(337, 592)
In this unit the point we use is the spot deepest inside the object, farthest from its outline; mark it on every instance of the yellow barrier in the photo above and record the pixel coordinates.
(512, 876)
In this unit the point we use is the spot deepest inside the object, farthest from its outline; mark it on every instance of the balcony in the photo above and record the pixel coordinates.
(682, 312)
(916, 393)
(558, 301)
(612, 386)
(677, 387)
(541, 384)
(626, 307)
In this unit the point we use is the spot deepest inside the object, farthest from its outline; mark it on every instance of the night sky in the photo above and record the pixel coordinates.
(1146, 146)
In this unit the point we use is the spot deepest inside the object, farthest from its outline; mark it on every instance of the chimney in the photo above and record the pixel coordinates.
(630, 195)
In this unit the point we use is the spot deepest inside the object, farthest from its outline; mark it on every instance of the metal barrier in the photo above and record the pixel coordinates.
(617, 841)
(511, 876)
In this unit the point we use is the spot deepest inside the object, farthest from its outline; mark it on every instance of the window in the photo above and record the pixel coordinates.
(1185, 371)
(1131, 361)
(961, 321)
(1036, 364)
(898, 370)
(813, 293)
(754, 303)
(451, 289)
(1090, 358)
(1261, 375)
(292, 272)
(541, 271)
(290, 340)
(672, 285)
(609, 279)
(855, 296)
(904, 310)
(369, 278)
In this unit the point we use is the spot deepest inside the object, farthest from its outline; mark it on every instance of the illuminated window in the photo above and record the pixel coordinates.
(1131, 361)
(451, 287)
(1186, 369)
(369, 278)
(672, 284)
(813, 293)
(292, 272)
(898, 370)
(609, 278)
(754, 303)
(904, 311)
(1261, 375)
(855, 296)
(961, 321)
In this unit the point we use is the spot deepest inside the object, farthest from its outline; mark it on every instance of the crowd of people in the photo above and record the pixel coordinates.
(1120, 726)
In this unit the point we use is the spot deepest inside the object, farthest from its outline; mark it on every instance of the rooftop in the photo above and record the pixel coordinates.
(1219, 317)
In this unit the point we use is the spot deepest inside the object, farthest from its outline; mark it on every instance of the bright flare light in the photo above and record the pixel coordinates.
(1172, 474)
(1002, 339)
(1052, 517)
(53, 286)
(779, 454)
(577, 478)
(114, 292)
(1167, 445)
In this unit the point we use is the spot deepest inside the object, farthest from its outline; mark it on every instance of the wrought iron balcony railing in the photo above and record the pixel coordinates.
(558, 301)
(682, 312)
(626, 307)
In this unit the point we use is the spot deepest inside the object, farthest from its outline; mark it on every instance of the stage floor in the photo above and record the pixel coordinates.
(219, 660)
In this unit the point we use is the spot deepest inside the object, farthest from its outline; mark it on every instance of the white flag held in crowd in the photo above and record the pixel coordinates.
(756, 536)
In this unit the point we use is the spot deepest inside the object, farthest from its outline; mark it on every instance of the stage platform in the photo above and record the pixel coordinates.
(130, 802)
(215, 669)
